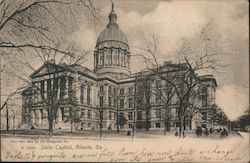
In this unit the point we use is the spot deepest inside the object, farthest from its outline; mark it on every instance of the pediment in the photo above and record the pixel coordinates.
(47, 68)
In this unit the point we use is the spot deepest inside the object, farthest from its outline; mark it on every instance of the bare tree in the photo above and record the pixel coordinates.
(37, 28)
(193, 56)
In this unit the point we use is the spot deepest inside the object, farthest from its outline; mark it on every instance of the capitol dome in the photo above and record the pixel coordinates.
(112, 36)
(112, 55)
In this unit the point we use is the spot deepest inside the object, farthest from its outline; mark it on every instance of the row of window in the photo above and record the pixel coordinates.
(123, 60)
(121, 102)
(82, 94)
(130, 90)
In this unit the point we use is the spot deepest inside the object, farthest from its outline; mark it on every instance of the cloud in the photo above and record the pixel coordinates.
(233, 100)
(85, 37)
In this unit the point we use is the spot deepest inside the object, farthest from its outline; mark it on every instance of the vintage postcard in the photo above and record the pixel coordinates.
(124, 80)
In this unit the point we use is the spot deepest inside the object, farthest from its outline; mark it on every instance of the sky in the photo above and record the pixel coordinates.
(173, 21)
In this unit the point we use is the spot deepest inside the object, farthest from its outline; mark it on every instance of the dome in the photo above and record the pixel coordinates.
(112, 34)
(112, 55)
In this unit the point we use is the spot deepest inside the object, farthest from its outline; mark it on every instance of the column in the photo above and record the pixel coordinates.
(39, 91)
(94, 60)
(59, 88)
(85, 93)
(32, 117)
(45, 89)
(38, 117)
(104, 57)
(111, 57)
(76, 87)
(125, 60)
(66, 86)
(119, 53)
(59, 115)
(129, 60)
(106, 95)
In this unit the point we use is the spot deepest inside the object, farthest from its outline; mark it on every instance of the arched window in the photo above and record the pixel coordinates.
(101, 59)
(108, 58)
(122, 59)
(115, 58)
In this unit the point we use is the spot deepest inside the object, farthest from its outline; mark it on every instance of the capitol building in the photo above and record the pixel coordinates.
(109, 96)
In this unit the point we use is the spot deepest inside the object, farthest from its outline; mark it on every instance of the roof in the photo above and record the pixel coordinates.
(209, 77)
(112, 36)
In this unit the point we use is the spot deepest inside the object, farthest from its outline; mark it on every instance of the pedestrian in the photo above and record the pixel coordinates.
(176, 133)
(183, 134)
(206, 132)
(211, 130)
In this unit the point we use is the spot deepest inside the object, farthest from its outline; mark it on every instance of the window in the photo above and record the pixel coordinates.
(48, 85)
(122, 91)
(70, 84)
(204, 96)
(177, 110)
(203, 125)
(130, 102)
(130, 126)
(110, 101)
(35, 96)
(139, 115)
(114, 90)
(70, 87)
(101, 101)
(122, 60)
(204, 116)
(121, 103)
(115, 103)
(89, 124)
(110, 115)
(139, 102)
(88, 95)
(115, 116)
(115, 59)
(26, 110)
(42, 89)
(55, 84)
(158, 91)
(101, 88)
(204, 101)
(158, 113)
(83, 113)
(158, 97)
(140, 89)
(97, 61)
(131, 90)
(108, 58)
(102, 60)
(130, 116)
(109, 90)
(81, 94)
(62, 87)
(157, 125)
(89, 114)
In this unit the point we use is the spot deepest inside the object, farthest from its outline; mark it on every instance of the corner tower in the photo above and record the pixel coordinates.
(112, 55)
